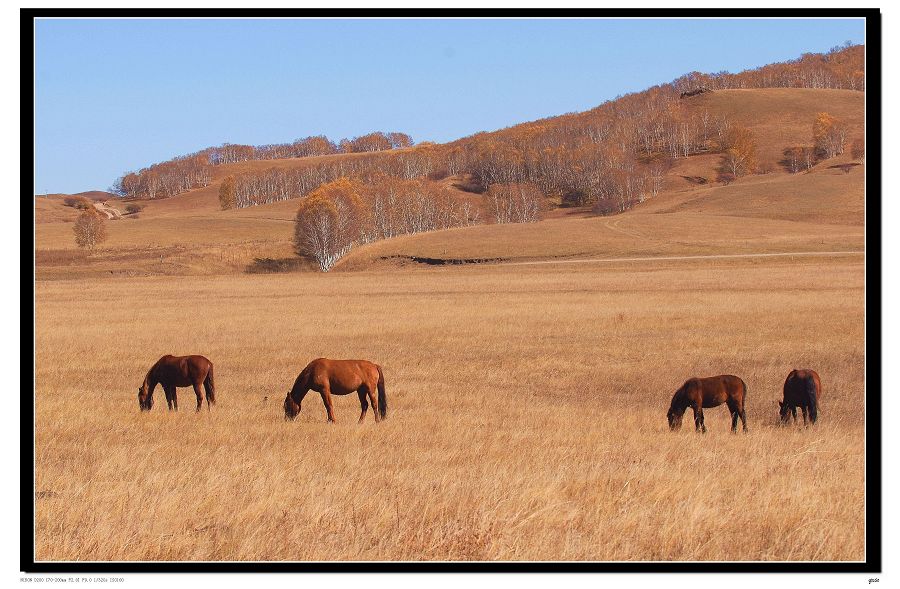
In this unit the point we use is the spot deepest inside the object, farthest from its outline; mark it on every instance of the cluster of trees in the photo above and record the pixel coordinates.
(277, 183)
(329, 221)
(230, 153)
(376, 142)
(344, 212)
(166, 179)
(397, 207)
(799, 158)
(842, 67)
(738, 154)
(514, 203)
(195, 170)
(829, 135)
(829, 139)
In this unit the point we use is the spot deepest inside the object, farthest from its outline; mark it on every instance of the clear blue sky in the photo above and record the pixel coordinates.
(116, 95)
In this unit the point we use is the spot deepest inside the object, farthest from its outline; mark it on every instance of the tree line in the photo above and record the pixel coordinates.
(194, 170)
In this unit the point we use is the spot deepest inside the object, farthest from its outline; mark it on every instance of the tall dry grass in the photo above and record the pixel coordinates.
(527, 416)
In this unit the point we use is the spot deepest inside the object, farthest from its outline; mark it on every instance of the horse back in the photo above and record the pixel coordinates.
(181, 370)
(343, 376)
(718, 389)
(800, 386)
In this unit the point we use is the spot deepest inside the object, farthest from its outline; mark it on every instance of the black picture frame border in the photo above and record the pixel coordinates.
(874, 221)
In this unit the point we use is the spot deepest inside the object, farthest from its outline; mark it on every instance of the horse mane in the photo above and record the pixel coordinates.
(302, 378)
(678, 404)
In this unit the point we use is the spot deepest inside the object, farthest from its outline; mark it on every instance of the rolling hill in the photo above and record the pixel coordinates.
(823, 208)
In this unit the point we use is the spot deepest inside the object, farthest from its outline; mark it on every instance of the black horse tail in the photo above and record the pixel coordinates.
(210, 386)
(812, 401)
(744, 400)
(382, 398)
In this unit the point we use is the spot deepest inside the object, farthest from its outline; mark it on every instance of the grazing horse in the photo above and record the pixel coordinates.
(178, 371)
(339, 377)
(698, 393)
(802, 389)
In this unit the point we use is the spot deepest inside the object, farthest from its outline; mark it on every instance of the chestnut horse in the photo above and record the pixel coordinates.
(700, 393)
(339, 377)
(178, 371)
(802, 389)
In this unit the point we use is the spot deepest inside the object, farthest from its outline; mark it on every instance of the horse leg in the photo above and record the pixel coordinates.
(794, 414)
(733, 409)
(199, 394)
(698, 419)
(744, 418)
(171, 399)
(364, 405)
(373, 399)
(326, 400)
(803, 409)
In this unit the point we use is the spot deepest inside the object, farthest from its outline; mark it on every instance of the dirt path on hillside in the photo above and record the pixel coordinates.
(698, 257)
(613, 224)
(107, 210)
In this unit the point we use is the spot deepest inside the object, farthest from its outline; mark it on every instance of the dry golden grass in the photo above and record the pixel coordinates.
(526, 415)
(825, 195)
(526, 403)
(627, 235)
(53, 210)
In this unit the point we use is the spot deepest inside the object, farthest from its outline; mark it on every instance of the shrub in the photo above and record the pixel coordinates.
(89, 229)
(77, 202)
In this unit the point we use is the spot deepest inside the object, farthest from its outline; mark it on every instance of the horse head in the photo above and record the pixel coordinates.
(784, 411)
(145, 401)
(291, 409)
(674, 418)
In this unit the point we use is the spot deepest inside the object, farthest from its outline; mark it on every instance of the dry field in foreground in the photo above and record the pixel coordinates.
(526, 415)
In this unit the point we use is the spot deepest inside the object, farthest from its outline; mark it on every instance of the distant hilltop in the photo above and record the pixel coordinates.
(98, 195)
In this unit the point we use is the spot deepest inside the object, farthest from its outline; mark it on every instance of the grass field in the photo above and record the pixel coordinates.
(527, 415)
(527, 396)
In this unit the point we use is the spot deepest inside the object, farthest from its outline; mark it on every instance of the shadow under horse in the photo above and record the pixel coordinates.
(339, 377)
(178, 371)
(703, 393)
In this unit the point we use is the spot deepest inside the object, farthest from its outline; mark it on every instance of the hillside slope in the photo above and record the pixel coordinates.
(783, 117)
(821, 209)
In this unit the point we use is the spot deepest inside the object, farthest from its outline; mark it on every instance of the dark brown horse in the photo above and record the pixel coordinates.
(339, 377)
(700, 393)
(802, 389)
(178, 371)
